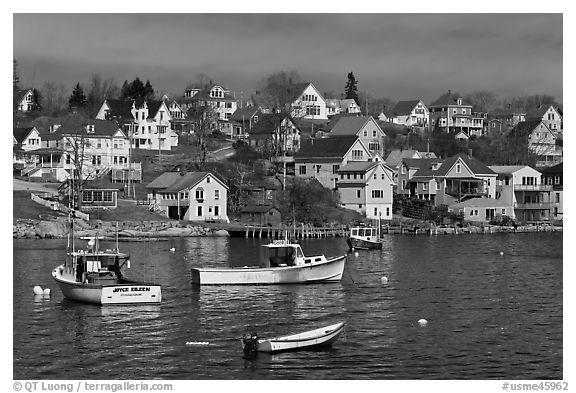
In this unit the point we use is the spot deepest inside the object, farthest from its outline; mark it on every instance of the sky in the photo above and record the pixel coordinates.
(398, 56)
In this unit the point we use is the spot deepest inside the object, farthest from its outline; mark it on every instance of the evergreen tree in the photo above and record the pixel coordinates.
(16, 77)
(37, 99)
(124, 90)
(351, 90)
(148, 90)
(136, 89)
(77, 99)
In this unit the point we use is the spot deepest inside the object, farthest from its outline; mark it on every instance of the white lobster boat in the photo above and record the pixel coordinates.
(281, 262)
(311, 339)
(364, 238)
(95, 276)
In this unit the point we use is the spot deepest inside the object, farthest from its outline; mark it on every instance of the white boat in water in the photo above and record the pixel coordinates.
(93, 275)
(281, 262)
(311, 339)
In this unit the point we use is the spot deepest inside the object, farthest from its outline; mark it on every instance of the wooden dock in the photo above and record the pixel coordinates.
(299, 232)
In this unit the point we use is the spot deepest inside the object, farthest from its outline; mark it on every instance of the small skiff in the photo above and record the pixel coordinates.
(322, 337)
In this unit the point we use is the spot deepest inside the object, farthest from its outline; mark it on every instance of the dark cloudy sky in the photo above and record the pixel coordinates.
(400, 56)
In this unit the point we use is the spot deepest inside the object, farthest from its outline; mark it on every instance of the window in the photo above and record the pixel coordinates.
(375, 211)
(403, 184)
(216, 194)
(458, 168)
(318, 169)
(143, 115)
(302, 170)
(374, 146)
(208, 179)
(199, 211)
(356, 154)
(425, 186)
(403, 169)
(365, 133)
(200, 193)
(557, 197)
(556, 179)
(503, 212)
(437, 186)
(357, 193)
(374, 133)
(335, 169)
(387, 212)
(107, 196)
(383, 176)
(216, 211)
(375, 176)
(377, 193)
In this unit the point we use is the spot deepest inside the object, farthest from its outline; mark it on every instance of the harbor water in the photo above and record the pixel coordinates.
(493, 306)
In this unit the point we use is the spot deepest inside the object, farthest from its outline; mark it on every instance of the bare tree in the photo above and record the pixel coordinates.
(54, 99)
(482, 101)
(98, 91)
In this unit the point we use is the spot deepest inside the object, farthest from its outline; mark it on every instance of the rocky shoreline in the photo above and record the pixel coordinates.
(58, 229)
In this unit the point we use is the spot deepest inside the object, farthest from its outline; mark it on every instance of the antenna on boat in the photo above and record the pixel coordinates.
(117, 247)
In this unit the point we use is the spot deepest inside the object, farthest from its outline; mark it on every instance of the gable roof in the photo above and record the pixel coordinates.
(265, 125)
(348, 125)
(358, 166)
(540, 111)
(525, 128)
(507, 169)
(75, 124)
(178, 181)
(403, 108)
(449, 98)
(476, 166)
(423, 165)
(120, 108)
(335, 146)
(21, 133)
(245, 113)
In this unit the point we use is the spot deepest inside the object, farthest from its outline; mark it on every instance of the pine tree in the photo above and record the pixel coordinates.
(351, 90)
(148, 90)
(77, 99)
(16, 77)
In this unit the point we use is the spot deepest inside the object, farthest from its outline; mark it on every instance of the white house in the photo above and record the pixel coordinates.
(147, 122)
(366, 187)
(220, 99)
(193, 196)
(335, 106)
(549, 115)
(541, 141)
(410, 113)
(27, 138)
(24, 100)
(308, 103)
(521, 188)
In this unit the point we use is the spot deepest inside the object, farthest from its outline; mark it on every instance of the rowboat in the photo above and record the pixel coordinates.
(280, 262)
(364, 238)
(93, 275)
(312, 339)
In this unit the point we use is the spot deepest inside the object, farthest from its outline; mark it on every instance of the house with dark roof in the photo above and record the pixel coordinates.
(321, 158)
(410, 114)
(365, 128)
(218, 97)
(366, 187)
(523, 190)
(266, 135)
(180, 122)
(416, 177)
(147, 122)
(24, 101)
(243, 119)
(70, 142)
(335, 106)
(540, 141)
(462, 177)
(451, 113)
(26, 138)
(192, 196)
(549, 115)
(308, 102)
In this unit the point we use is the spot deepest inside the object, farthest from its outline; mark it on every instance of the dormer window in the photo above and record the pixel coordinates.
(90, 128)
(459, 101)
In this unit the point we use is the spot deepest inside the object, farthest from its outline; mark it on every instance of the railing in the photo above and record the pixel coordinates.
(532, 187)
(533, 205)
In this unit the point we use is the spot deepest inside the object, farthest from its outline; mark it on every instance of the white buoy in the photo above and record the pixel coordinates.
(356, 254)
(501, 252)
(46, 292)
(172, 249)
(422, 322)
(352, 249)
(384, 280)
(38, 290)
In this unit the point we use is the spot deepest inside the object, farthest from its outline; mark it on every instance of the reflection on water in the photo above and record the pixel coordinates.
(482, 308)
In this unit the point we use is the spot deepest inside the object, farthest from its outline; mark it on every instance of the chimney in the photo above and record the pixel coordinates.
(469, 153)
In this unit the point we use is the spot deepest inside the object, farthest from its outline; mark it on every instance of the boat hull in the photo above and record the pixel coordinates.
(120, 293)
(313, 339)
(363, 244)
(329, 271)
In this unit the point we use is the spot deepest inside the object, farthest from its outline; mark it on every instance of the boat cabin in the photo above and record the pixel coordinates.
(364, 232)
(282, 253)
(98, 268)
